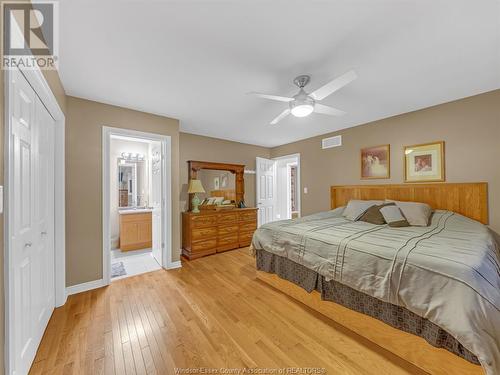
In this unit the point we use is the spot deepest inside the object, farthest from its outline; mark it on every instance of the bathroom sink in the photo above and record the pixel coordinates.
(134, 210)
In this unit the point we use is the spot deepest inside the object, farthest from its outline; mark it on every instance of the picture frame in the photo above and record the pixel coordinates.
(376, 162)
(224, 180)
(425, 162)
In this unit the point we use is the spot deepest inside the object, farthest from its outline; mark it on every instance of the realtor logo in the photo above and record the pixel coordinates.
(30, 35)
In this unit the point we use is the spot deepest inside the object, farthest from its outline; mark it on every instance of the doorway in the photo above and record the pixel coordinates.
(278, 188)
(136, 208)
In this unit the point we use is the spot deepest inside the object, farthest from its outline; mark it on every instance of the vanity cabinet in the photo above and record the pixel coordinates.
(135, 231)
(210, 232)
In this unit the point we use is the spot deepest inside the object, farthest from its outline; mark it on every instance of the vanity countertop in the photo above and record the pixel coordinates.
(131, 211)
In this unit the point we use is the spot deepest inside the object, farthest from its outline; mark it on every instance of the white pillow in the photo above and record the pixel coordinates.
(356, 208)
(417, 214)
(393, 216)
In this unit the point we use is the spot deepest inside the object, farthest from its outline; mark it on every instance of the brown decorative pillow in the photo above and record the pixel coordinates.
(373, 214)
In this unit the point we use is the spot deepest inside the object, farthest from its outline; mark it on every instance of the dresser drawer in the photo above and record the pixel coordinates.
(245, 238)
(204, 245)
(227, 243)
(248, 226)
(229, 229)
(203, 233)
(248, 216)
(231, 217)
(204, 221)
(228, 239)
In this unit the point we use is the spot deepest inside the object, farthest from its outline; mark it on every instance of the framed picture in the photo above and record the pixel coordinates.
(425, 162)
(216, 183)
(224, 180)
(376, 162)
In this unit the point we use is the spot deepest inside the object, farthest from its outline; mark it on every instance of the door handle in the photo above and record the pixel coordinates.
(28, 244)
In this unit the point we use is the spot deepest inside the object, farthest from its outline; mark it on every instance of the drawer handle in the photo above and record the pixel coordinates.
(28, 244)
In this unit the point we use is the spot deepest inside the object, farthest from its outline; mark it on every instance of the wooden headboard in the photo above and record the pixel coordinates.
(468, 199)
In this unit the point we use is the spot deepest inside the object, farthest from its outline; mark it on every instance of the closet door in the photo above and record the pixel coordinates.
(32, 219)
(44, 195)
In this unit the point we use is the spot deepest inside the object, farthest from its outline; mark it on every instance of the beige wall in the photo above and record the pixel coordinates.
(84, 123)
(470, 128)
(197, 147)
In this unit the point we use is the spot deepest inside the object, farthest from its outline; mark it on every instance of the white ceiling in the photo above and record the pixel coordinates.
(195, 60)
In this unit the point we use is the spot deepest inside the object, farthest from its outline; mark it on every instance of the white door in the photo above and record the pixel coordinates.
(266, 190)
(31, 211)
(156, 200)
(45, 213)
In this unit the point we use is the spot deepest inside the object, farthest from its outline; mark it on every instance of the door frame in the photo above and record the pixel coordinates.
(299, 186)
(166, 146)
(39, 84)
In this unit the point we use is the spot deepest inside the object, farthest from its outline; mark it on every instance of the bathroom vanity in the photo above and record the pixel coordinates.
(135, 229)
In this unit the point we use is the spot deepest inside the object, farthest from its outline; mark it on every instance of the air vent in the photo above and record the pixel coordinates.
(331, 142)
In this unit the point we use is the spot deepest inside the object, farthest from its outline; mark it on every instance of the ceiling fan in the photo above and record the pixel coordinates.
(303, 104)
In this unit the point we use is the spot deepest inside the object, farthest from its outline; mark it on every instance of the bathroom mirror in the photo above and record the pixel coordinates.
(132, 183)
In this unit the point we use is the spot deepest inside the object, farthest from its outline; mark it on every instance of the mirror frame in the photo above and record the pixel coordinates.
(237, 169)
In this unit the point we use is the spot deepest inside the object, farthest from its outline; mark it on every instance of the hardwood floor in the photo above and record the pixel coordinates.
(211, 313)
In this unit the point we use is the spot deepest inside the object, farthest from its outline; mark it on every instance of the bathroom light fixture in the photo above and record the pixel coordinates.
(132, 156)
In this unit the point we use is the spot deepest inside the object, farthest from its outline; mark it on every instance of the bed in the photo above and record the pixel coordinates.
(428, 294)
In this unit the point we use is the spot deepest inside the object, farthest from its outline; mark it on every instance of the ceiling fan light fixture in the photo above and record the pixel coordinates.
(302, 106)
(302, 110)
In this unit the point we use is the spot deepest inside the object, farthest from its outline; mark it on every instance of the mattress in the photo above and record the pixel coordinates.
(447, 273)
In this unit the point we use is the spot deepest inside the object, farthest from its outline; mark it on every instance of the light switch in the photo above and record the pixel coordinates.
(305, 190)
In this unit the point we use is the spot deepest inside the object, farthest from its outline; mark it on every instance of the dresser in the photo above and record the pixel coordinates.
(210, 232)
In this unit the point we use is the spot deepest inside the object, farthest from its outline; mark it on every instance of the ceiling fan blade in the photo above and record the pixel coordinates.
(281, 116)
(333, 85)
(326, 110)
(271, 97)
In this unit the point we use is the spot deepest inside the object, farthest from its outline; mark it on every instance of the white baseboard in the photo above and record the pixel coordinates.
(78, 288)
(62, 298)
(174, 265)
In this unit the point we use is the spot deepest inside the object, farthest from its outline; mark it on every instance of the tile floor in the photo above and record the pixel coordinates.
(135, 262)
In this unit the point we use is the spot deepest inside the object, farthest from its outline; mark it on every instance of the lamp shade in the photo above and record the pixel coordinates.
(195, 186)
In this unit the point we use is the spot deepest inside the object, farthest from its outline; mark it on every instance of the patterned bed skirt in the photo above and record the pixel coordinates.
(396, 316)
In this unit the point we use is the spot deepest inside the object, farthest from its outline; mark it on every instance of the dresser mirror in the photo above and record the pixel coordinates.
(221, 180)
(217, 183)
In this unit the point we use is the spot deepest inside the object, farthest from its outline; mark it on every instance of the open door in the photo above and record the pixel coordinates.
(156, 200)
(266, 190)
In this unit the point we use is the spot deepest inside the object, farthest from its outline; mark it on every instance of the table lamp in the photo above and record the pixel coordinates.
(195, 186)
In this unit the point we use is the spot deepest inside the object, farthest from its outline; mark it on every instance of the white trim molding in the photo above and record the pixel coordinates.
(83, 287)
(173, 265)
